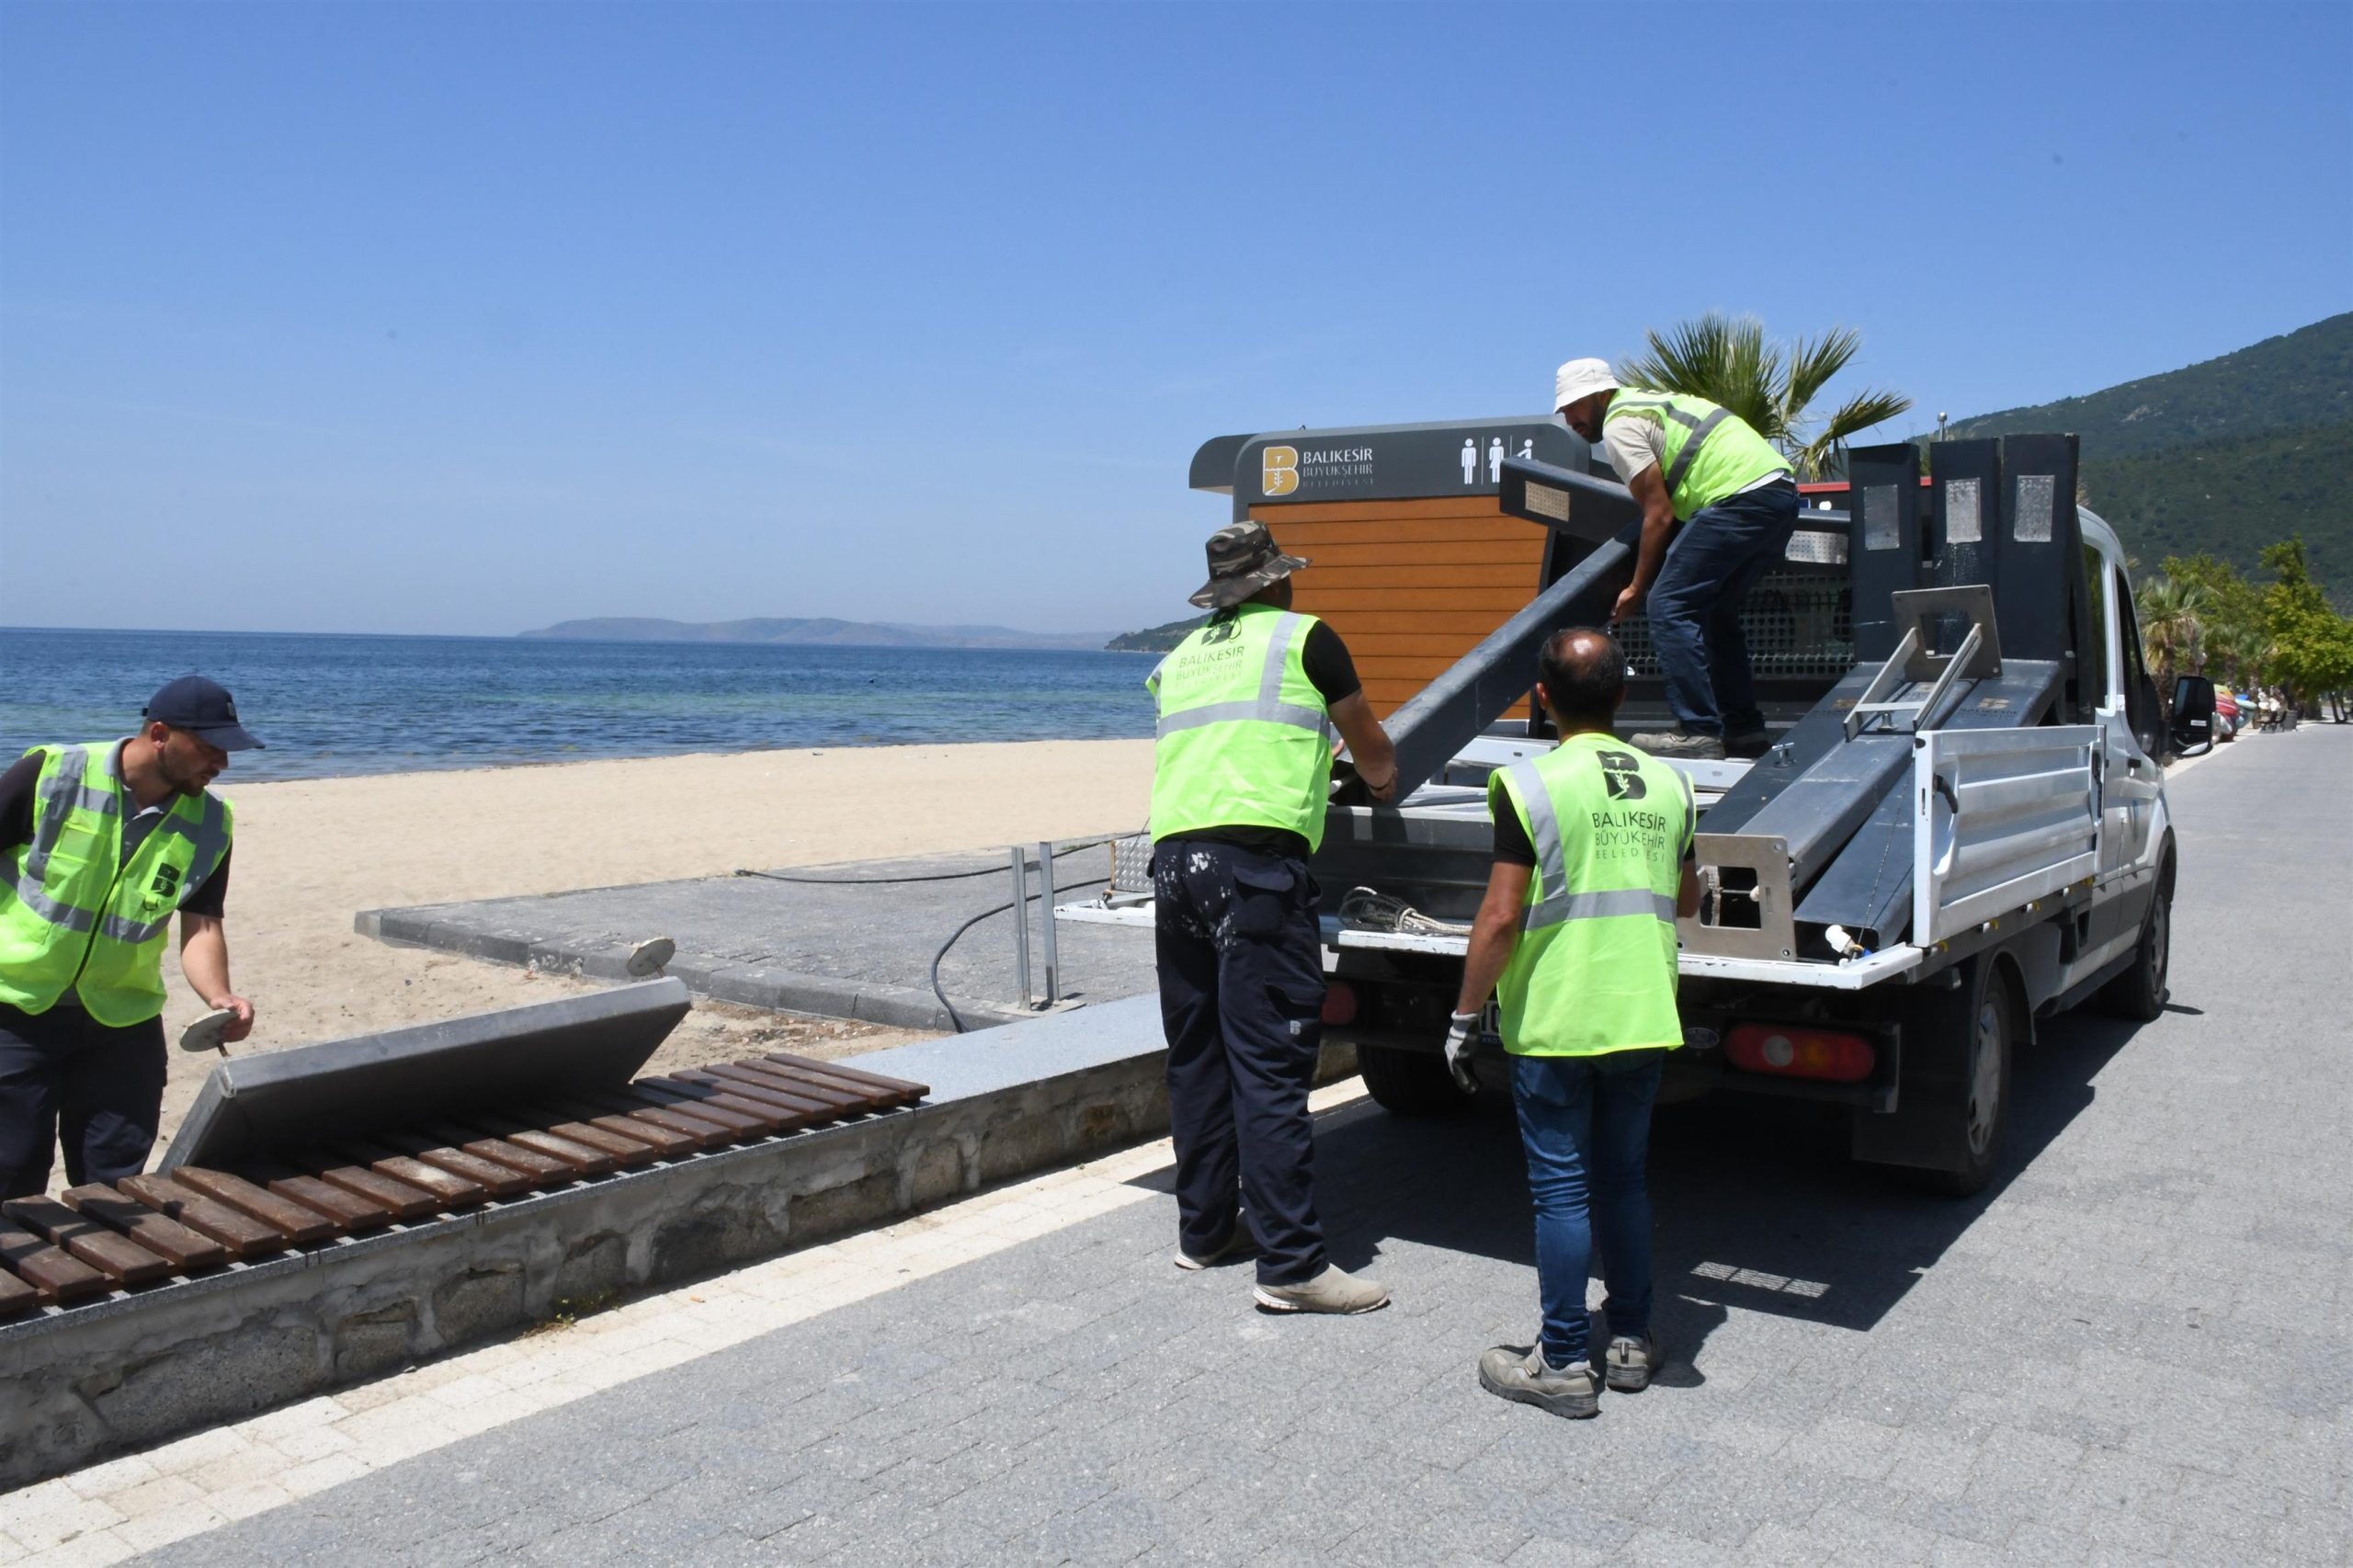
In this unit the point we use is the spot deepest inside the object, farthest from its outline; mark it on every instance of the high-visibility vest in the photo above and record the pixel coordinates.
(1594, 968)
(1710, 452)
(73, 915)
(1242, 738)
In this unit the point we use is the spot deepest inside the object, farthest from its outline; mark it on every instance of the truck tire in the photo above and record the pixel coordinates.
(1410, 1083)
(2140, 992)
(1984, 1108)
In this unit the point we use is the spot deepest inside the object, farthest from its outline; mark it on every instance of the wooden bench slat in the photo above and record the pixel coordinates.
(291, 1220)
(626, 1151)
(792, 1113)
(540, 1170)
(776, 1085)
(190, 1251)
(704, 1101)
(354, 1212)
(117, 1257)
(437, 1150)
(854, 1076)
(452, 1191)
(17, 1298)
(664, 1142)
(403, 1201)
(55, 1275)
(654, 1094)
(699, 1132)
(244, 1235)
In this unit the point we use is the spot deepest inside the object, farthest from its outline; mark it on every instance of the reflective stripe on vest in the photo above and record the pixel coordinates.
(1241, 735)
(1593, 969)
(1699, 421)
(1267, 706)
(96, 925)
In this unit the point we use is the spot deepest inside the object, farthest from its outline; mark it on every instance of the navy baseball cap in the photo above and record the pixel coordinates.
(204, 709)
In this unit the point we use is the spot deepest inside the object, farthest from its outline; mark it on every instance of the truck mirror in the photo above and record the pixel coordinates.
(2193, 715)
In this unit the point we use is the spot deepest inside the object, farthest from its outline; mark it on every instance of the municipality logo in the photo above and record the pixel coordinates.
(1623, 774)
(1278, 470)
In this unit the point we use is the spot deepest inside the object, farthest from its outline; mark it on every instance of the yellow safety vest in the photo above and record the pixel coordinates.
(1242, 737)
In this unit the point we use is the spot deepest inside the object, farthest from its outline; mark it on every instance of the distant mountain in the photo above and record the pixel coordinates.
(2226, 456)
(2303, 379)
(820, 633)
(1155, 640)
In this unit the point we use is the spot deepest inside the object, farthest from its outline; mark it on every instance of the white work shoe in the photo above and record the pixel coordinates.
(1334, 1290)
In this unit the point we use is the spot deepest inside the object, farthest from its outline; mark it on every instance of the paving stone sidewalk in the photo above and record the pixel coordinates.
(2138, 1348)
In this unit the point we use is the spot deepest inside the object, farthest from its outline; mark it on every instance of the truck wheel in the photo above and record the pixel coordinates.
(1984, 1111)
(2140, 992)
(1410, 1083)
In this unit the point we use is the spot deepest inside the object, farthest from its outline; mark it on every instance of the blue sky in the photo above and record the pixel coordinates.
(469, 318)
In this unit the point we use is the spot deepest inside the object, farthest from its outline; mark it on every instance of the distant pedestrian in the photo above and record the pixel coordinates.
(1242, 769)
(1592, 865)
(99, 844)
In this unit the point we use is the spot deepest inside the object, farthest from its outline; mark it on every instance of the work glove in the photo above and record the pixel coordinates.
(1461, 1029)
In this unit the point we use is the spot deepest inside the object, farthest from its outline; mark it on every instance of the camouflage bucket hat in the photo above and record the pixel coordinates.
(1244, 558)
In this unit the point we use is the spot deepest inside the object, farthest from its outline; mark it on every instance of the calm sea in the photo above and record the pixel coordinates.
(336, 705)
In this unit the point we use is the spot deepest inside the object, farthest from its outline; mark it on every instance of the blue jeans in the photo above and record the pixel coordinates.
(1694, 606)
(1586, 1124)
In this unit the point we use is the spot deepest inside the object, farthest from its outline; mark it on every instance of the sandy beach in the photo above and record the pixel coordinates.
(311, 855)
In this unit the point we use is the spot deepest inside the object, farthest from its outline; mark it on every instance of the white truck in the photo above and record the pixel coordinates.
(1963, 835)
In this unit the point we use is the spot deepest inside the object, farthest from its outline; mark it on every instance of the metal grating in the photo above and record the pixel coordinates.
(1796, 625)
(1132, 864)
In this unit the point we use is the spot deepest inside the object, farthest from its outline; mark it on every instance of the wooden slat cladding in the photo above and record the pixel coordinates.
(1412, 585)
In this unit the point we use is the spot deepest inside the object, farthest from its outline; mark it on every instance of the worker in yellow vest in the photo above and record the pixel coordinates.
(1242, 769)
(1577, 938)
(99, 845)
(1719, 505)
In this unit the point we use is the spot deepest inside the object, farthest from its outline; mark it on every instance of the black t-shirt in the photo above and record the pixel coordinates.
(17, 827)
(1334, 675)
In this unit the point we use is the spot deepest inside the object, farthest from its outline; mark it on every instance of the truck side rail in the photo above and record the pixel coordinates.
(2004, 818)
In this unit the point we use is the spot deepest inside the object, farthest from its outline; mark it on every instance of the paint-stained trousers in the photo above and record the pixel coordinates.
(66, 1078)
(1242, 1001)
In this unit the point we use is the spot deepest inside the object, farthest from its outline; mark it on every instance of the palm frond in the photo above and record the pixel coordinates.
(1813, 362)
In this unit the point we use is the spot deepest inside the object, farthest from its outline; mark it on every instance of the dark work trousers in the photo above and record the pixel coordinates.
(63, 1075)
(1714, 561)
(1242, 1000)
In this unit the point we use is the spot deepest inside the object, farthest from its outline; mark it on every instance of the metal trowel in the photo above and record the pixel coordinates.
(206, 1033)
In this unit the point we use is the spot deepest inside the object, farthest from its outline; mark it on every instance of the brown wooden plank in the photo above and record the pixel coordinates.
(627, 1151)
(704, 1099)
(792, 1112)
(354, 1212)
(706, 1134)
(581, 1158)
(17, 1298)
(297, 1224)
(1523, 555)
(542, 1170)
(844, 1095)
(403, 1201)
(55, 1275)
(1431, 574)
(848, 1075)
(118, 1257)
(1300, 538)
(244, 1235)
(828, 1099)
(664, 1142)
(1276, 514)
(190, 1252)
(1335, 603)
(114, 1255)
(695, 1101)
(440, 1149)
(448, 1188)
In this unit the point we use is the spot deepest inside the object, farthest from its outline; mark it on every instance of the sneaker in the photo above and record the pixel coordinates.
(1675, 745)
(1749, 743)
(1629, 1363)
(1238, 1246)
(1563, 1390)
(1334, 1290)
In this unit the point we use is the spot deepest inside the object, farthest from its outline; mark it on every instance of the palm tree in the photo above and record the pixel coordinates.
(1769, 385)
(2168, 612)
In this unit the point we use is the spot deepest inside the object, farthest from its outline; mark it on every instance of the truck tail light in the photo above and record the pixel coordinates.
(1788, 1051)
(1340, 1003)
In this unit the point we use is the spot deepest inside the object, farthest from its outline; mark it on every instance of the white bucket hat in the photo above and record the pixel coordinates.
(1580, 379)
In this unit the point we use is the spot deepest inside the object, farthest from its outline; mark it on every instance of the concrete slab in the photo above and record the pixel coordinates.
(854, 940)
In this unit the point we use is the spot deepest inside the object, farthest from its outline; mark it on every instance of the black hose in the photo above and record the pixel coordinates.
(953, 1016)
(995, 870)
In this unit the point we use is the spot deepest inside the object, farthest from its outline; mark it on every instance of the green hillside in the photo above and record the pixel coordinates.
(2224, 457)
(1154, 640)
(2231, 498)
(2303, 379)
